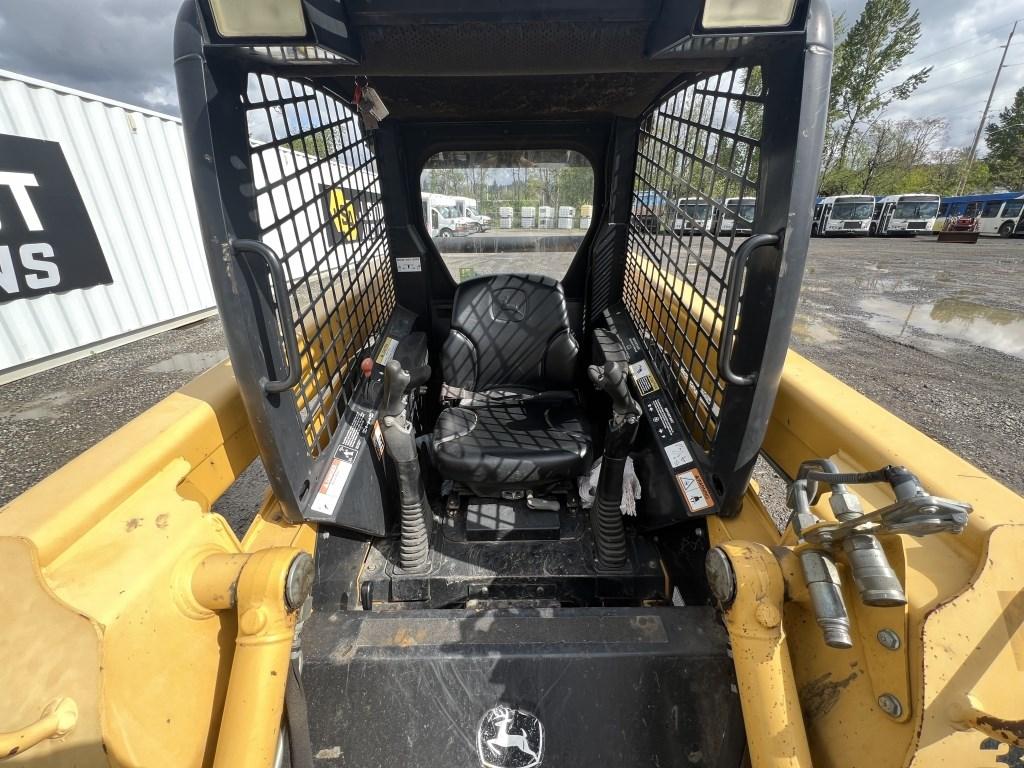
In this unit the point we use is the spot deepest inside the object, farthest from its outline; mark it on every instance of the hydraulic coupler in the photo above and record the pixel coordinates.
(400, 443)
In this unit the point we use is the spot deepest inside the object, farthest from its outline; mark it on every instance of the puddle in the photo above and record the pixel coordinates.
(998, 329)
(188, 362)
(813, 332)
(46, 407)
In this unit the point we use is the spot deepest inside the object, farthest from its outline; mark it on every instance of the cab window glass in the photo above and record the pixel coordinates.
(491, 212)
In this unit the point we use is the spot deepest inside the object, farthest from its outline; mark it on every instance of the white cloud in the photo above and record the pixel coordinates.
(123, 50)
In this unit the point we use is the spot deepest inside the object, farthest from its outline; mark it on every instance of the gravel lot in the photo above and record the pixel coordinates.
(933, 332)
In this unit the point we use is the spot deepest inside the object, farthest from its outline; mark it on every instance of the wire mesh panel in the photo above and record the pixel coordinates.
(694, 200)
(319, 208)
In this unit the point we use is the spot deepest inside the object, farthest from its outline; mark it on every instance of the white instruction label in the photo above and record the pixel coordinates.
(329, 493)
(693, 488)
(408, 264)
(678, 455)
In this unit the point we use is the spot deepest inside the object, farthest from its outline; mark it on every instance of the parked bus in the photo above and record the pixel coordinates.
(904, 215)
(997, 213)
(649, 209)
(843, 215)
(694, 215)
(741, 208)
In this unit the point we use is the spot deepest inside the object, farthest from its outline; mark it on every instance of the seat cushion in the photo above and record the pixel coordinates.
(513, 447)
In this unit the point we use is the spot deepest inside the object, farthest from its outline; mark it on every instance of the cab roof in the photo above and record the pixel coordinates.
(494, 60)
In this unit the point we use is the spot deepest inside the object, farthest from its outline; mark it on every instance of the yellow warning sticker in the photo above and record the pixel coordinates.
(643, 378)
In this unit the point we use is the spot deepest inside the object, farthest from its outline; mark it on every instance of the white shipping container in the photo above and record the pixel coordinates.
(566, 216)
(528, 217)
(130, 168)
(545, 217)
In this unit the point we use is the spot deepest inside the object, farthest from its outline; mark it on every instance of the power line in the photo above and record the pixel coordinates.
(946, 49)
(984, 115)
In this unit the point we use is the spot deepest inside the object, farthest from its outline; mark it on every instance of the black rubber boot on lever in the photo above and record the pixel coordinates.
(401, 447)
(606, 515)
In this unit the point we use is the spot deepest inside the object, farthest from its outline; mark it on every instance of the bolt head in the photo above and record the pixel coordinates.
(888, 639)
(721, 578)
(890, 705)
(299, 583)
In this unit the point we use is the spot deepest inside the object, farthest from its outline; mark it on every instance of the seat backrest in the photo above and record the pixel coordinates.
(509, 331)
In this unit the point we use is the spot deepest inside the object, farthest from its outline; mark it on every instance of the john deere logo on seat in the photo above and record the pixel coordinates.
(510, 738)
(509, 305)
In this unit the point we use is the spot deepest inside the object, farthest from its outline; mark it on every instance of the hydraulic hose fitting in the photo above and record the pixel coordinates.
(823, 585)
(875, 578)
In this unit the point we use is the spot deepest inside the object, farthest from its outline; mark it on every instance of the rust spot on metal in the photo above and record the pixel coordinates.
(132, 524)
(820, 695)
(1008, 731)
(161, 520)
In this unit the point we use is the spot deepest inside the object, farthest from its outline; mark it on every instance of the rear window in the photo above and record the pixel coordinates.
(491, 212)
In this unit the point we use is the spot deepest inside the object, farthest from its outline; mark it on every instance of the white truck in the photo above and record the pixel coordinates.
(467, 208)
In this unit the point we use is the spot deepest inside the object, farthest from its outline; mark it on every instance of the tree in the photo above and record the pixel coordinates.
(1005, 139)
(884, 35)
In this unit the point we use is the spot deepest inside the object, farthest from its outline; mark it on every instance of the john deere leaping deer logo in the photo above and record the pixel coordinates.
(510, 738)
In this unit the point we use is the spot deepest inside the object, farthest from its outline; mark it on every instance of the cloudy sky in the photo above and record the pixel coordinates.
(122, 49)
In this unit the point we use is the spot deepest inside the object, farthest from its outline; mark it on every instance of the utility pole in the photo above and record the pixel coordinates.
(984, 115)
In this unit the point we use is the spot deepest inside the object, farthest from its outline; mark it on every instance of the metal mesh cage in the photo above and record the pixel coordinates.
(320, 210)
(694, 191)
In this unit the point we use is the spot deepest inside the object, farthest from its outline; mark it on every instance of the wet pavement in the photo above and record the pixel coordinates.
(933, 332)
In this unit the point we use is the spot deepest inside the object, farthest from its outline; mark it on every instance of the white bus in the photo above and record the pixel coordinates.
(693, 215)
(1002, 217)
(739, 208)
(904, 215)
(843, 215)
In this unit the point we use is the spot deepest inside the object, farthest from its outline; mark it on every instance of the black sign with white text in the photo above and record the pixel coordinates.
(47, 242)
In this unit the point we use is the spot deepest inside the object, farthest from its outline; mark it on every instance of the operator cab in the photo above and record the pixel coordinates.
(509, 439)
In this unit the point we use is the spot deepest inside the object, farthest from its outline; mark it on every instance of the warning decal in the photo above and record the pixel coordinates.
(643, 378)
(354, 430)
(692, 485)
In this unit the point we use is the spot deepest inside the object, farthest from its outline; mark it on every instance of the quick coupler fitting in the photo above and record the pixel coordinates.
(826, 594)
(876, 581)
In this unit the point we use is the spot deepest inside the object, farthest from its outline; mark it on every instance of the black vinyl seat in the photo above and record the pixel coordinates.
(510, 361)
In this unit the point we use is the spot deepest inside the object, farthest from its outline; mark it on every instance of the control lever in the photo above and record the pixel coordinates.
(400, 443)
(914, 512)
(606, 514)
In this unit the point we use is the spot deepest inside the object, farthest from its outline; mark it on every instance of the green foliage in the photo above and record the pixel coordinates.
(316, 144)
(549, 184)
(1005, 138)
(884, 35)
